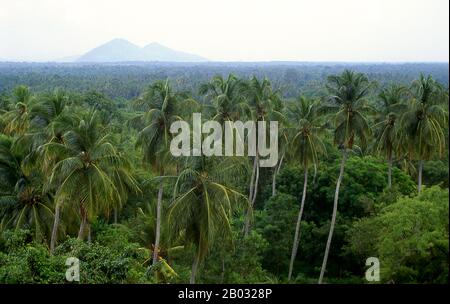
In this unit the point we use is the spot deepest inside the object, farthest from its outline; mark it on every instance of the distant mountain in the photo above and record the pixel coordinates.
(120, 50)
(157, 52)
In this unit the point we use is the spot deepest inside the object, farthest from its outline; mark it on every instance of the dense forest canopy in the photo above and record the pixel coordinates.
(127, 80)
(86, 172)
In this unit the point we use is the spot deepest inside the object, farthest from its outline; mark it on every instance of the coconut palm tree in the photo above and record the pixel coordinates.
(23, 204)
(50, 116)
(17, 120)
(392, 105)
(306, 148)
(226, 99)
(91, 174)
(10, 165)
(53, 112)
(145, 223)
(31, 209)
(347, 101)
(160, 107)
(203, 204)
(422, 125)
(266, 105)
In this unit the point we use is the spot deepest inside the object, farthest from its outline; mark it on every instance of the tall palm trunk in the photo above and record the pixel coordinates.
(255, 192)
(250, 198)
(55, 228)
(333, 218)
(297, 228)
(84, 222)
(89, 233)
(158, 224)
(249, 214)
(252, 180)
(419, 182)
(274, 181)
(315, 174)
(390, 170)
(194, 268)
(276, 170)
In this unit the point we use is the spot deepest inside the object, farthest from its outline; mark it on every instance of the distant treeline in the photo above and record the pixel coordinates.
(128, 80)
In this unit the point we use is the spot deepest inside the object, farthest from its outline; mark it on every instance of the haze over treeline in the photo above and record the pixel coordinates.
(127, 80)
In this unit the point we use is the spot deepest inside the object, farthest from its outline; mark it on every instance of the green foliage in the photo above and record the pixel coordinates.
(100, 263)
(410, 238)
(435, 172)
(129, 80)
(422, 125)
(240, 265)
(111, 258)
(25, 261)
(348, 105)
(75, 149)
(276, 223)
(203, 204)
(365, 179)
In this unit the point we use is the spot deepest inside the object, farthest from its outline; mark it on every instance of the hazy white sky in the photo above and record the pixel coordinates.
(250, 30)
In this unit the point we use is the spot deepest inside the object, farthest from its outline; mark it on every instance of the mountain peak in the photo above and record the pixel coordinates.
(154, 44)
(119, 41)
(121, 50)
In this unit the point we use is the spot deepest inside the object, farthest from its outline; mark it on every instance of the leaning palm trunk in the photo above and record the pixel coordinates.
(255, 192)
(253, 197)
(276, 170)
(158, 224)
(390, 171)
(252, 180)
(333, 218)
(82, 230)
(250, 198)
(297, 228)
(194, 268)
(274, 181)
(83, 224)
(89, 233)
(55, 228)
(419, 182)
(315, 174)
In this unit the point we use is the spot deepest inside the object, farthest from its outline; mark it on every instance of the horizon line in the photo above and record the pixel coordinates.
(229, 61)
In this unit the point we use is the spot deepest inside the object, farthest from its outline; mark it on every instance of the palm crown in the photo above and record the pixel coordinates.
(347, 101)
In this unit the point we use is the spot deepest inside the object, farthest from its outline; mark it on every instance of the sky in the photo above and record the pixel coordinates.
(232, 30)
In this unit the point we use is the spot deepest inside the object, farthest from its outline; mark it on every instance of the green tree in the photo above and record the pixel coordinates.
(50, 117)
(276, 223)
(422, 125)
(225, 97)
(202, 205)
(265, 104)
(17, 120)
(160, 106)
(410, 237)
(92, 174)
(385, 128)
(347, 98)
(306, 148)
(23, 204)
